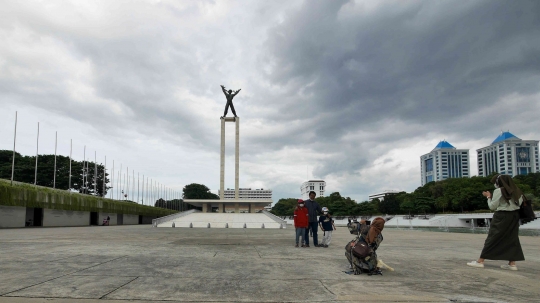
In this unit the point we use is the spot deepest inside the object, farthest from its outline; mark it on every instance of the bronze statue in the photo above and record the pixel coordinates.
(229, 95)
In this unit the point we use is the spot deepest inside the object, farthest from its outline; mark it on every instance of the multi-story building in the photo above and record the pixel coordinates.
(381, 195)
(248, 193)
(508, 155)
(443, 162)
(318, 186)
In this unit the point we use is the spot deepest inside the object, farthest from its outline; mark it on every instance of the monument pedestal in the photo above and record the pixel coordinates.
(230, 205)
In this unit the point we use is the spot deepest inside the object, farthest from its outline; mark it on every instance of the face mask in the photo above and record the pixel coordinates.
(496, 186)
(301, 205)
(325, 212)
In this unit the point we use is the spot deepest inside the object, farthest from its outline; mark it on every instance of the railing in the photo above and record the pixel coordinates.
(275, 218)
(156, 222)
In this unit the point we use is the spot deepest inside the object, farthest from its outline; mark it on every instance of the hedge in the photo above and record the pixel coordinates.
(27, 195)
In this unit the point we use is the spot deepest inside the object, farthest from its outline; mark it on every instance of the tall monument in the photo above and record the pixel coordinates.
(220, 204)
(229, 95)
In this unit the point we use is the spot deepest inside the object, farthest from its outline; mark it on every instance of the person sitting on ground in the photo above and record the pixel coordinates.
(327, 226)
(301, 219)
(502, 242)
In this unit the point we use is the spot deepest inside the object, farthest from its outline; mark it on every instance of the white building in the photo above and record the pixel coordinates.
(380, 196)
(443, 162)
(508, 155)
(248, 193)
(318, 186)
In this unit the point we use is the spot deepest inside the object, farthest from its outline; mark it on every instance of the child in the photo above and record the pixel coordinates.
(301, 219)
(327, 225)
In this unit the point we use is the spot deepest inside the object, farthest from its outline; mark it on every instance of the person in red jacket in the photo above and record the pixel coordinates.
(301, 220)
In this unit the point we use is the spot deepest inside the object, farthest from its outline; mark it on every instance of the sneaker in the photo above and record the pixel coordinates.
(296, 245)
(303, 245)
(307, 245)
(325, 246)
(476, 264)
(509, 267)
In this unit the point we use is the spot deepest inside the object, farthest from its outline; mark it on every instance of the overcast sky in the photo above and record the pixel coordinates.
(352, 92)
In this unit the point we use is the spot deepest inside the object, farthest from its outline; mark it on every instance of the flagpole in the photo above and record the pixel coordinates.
(95, 173)
(138, 187)
(37, 150)
(70, 152)
(83, 169)
(127, 182)
(55, 148)
(133, 186)
(119, 182)
(104, 175)
(14, 140)
(112, 181)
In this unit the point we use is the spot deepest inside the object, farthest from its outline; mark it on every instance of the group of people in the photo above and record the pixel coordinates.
(502, 242)
(306, 221)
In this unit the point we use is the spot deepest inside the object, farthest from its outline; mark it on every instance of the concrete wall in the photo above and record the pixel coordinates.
(131, 219)
(12, 216)
(56, 217)
(112, 221)
(148, 219)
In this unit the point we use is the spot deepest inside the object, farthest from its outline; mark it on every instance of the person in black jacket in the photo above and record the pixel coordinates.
(313, 210)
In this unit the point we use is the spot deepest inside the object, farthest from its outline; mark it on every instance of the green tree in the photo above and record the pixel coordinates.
(198, 191)
(390, 204)
(25, 172)
(284, 207)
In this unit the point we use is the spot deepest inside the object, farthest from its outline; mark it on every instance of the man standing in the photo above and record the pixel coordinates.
(313, 210)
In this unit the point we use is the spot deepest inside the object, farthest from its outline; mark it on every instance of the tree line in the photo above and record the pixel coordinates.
(82, 181)
(454, 195)
(190, 191)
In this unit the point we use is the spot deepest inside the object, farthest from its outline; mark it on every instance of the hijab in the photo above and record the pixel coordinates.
(509, 189)
(377, 225)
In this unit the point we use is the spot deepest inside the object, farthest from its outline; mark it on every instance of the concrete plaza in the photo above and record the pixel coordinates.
(145, 264)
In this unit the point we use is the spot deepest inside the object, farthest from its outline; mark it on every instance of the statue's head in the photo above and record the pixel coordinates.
(230, 91)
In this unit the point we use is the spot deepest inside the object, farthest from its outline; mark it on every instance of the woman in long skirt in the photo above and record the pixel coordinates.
(502, 242)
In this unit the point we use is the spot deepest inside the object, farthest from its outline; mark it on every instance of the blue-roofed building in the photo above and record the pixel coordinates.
(508, 155)
(443, 162)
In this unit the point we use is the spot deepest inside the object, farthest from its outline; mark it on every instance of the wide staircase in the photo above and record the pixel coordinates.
(197, 219)
(533, 224)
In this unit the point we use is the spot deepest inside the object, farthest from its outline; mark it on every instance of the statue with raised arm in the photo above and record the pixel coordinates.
(229, 95)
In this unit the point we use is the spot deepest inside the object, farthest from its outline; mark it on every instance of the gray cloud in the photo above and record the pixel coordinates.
(347, 81)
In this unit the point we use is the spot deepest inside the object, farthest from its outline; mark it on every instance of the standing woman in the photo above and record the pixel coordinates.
(502, 242)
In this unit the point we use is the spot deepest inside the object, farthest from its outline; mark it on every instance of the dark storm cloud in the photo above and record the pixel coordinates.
(426, 63)
(427, 57)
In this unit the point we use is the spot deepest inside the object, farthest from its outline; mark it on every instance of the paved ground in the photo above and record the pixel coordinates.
(145, 264)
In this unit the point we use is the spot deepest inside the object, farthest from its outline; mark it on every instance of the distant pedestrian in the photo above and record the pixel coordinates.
(327, 226)
(502, 242)
(313, 209)
(300, 222)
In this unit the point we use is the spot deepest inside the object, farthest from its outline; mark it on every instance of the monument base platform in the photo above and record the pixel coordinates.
(196, 219)
(230, 205)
